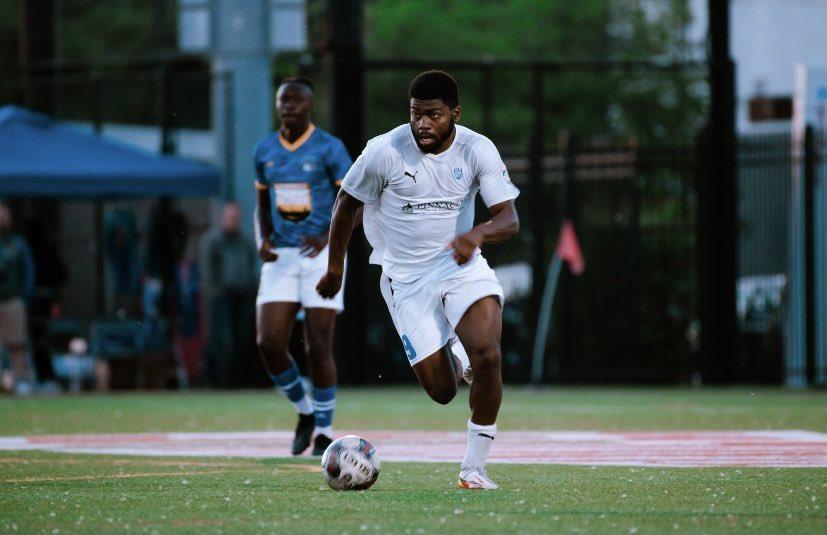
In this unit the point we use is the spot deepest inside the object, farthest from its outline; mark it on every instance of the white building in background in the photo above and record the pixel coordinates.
(768, 38)
(780, 52)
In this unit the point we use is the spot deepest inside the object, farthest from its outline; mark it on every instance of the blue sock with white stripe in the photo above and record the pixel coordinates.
(324, 401)
(290, 384)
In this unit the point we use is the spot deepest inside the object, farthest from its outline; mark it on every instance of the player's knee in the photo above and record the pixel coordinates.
(442, 394)
(319, 350)
(486, 359)
(270, 343)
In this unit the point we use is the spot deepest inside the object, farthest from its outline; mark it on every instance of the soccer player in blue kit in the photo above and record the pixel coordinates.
(298, 169)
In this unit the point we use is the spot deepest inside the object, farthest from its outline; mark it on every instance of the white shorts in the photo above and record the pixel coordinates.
(293, 279)
(426, 312)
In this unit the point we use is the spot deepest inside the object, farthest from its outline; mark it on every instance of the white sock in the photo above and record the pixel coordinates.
(326, 431)
(459, 352)
(304, 405)
(480, 438)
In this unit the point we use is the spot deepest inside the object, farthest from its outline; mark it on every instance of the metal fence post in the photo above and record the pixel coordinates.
(717, 212)
(795, 331)
(164, 107)
(809, 253)
(349, 125)
(537, 199)
(487, 98)
(569, 212)
(820, 256)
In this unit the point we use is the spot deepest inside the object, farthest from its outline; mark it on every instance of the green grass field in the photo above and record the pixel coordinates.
(61, 493)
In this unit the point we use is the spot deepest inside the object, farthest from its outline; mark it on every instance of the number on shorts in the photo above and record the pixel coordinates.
(409, 350)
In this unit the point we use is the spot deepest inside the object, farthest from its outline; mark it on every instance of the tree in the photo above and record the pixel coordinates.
(657, 107)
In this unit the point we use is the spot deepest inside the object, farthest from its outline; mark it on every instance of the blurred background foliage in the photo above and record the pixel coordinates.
(637, 232)
(654, 107)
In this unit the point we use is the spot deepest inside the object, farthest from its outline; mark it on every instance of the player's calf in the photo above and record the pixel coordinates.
(486, 390)
(442, 394)
(485, 398)
(437, 376)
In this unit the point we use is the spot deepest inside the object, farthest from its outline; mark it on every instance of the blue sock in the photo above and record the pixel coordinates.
(324, 401)
(290, 384)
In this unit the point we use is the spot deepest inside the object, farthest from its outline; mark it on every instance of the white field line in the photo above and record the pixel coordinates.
(787, 448)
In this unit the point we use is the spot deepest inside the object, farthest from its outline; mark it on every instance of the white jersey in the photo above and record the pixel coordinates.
(416, 202)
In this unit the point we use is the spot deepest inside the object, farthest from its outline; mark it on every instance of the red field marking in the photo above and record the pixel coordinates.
(674, 448)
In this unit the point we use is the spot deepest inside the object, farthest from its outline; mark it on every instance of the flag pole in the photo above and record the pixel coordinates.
(544, 319)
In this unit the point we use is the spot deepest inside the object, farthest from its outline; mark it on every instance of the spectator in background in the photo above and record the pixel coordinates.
(16, 287)
(188, 339)
(232, 271)
(167, 241)
(167, 234)
(50, 275)
(121, 239)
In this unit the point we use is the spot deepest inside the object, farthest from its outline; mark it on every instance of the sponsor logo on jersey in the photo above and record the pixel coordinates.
(433, 207)
(412, 175)
(458, 173)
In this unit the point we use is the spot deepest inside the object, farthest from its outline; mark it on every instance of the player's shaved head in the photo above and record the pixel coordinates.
(231, 217)
(431, 85)
(300, 81)
(294, 104)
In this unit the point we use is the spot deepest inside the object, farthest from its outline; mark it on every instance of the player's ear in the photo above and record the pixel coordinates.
(456, 113)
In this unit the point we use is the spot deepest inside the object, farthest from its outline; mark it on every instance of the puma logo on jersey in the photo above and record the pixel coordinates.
(413, 176)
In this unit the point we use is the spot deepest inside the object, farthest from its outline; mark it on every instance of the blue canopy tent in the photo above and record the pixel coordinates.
(42, 157)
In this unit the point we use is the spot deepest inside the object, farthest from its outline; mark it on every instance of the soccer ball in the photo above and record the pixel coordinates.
(350, 463)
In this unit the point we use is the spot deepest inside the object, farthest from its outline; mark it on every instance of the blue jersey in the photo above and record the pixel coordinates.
(302, 178)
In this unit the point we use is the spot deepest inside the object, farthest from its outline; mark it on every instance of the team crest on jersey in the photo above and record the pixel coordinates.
(270, 164)
(308, 167)
(458, 173)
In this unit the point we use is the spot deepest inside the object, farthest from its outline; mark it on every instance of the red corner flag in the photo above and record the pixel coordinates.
(568, 249)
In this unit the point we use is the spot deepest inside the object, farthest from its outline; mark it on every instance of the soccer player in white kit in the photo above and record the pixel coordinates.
(418, 184)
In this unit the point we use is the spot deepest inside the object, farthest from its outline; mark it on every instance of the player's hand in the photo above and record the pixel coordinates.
(464, 246)
(265, 251)
(313, 245)
(330, 284)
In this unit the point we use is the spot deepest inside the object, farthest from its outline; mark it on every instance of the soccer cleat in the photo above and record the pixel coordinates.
(24, 388)
(304, 431)
(468, 375)
(475, 478)
(320, 444)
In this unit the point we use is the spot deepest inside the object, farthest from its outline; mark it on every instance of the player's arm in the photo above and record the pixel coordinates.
(346, 211)
(341, 164)
(313, 245)
(498, 229)
(264, 228)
